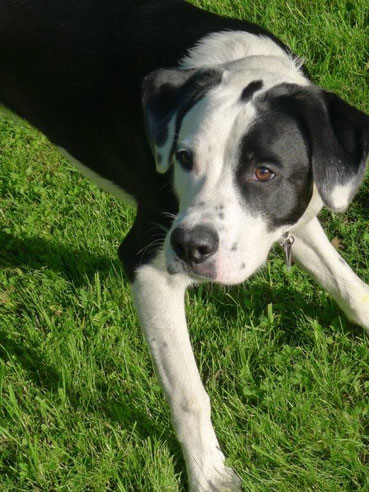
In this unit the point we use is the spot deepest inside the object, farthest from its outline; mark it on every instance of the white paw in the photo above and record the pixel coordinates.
(224, 480)
(357, 309)
(360, 316)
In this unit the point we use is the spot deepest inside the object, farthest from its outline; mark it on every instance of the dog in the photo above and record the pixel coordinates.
(213, 129)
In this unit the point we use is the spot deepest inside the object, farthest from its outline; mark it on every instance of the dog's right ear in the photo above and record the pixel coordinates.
(168, 94)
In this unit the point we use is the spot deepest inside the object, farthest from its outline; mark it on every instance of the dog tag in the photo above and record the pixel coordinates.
(287, 246)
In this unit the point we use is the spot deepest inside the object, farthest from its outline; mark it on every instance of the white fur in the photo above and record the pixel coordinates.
(103, 183)
(159, 299)
(212, 130)
(316, 255)
(228, 46)
(341, 195)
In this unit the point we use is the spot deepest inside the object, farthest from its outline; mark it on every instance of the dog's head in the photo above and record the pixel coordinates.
(253, 157)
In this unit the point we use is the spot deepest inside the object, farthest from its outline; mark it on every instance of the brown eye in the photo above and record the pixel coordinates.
(185, 159)
(263, 174)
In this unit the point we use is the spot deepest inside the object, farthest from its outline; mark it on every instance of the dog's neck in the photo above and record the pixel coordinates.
(238, 50)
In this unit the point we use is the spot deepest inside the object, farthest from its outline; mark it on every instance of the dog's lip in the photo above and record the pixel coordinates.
(176, 265)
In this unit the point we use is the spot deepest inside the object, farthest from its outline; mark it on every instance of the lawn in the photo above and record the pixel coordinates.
(288, 375)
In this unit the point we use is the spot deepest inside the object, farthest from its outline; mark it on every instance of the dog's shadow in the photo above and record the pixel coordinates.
(289, 304)
(78, 266)
(37, 253)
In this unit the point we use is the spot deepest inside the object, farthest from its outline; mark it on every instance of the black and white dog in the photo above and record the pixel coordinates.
(213, 129)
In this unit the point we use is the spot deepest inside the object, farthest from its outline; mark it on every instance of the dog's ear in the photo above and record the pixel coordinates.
(168, 94)
(337, 135)
(340, 151)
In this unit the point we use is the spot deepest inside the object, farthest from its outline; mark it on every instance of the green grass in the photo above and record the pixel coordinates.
(80, 407)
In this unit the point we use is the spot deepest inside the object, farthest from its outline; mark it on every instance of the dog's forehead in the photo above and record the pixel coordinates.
(227, 111)
(224, 111)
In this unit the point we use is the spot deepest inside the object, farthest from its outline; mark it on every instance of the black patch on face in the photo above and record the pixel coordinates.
(278, 140)
(250, 90)
(337, 135)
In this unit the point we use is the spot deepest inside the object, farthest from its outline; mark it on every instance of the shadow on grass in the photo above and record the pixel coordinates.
(37, 253)
(77, 266)
(289, 304)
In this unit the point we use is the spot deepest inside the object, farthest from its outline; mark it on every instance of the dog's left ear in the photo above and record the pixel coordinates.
(168, 94)
(340, 141)
(337, 135)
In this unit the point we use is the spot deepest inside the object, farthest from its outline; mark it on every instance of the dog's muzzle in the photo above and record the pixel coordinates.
(195, 246)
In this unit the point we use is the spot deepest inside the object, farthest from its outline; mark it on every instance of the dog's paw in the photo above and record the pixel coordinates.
(357, 310)
(360, 316)
(224, 480)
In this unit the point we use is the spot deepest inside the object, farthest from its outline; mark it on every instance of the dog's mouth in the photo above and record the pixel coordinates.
(197, 271)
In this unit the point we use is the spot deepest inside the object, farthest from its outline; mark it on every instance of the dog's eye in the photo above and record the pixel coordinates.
(263, 174)
(185, 159)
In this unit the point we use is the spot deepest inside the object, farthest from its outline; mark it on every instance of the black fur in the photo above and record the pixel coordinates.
(250, 90)
(337, 134)
(303, 134)
(278, 141)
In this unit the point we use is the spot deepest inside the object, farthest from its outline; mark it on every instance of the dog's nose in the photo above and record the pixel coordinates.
(194, 245)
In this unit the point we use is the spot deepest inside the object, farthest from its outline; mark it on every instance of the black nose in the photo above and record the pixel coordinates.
(194, 245)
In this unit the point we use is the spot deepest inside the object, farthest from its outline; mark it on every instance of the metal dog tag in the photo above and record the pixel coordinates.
(287, 246)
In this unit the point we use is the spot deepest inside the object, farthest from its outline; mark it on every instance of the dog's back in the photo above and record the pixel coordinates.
(74, 69)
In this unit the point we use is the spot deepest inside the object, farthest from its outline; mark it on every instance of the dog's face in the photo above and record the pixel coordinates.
(246, 153)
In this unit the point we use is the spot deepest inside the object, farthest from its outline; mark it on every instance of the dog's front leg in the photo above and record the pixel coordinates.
(313, 251)
(159, 299)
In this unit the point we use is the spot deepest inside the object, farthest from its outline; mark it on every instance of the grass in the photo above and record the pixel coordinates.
(80, 407)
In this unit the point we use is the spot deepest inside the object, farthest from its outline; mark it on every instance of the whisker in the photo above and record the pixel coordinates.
(156, 243)
(162, 228)
(169, 215)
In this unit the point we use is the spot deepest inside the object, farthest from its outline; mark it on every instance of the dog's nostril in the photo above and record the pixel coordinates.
(194, 245)
(178, 241)
(200, 253)
(203, 250)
